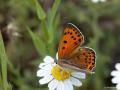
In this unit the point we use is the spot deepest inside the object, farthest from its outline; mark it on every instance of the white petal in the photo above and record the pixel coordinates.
(118, 86)
(53, 84)
(75, 82)
(117, 66)
(46, 79)
(116, 80)
(68, 85)
(79, 75)
(42, 65)
(41, 73)
(48, 59)
(60, 86)
(115, 73)
(47, 67)
(57, 55)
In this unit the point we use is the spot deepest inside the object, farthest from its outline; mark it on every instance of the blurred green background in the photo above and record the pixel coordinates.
(31, 29)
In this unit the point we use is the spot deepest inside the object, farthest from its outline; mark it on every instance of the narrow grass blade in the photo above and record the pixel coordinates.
(3, 61)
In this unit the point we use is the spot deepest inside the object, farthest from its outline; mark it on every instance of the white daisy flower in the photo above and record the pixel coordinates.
(97, 1)
(57, 78)
(116, 76)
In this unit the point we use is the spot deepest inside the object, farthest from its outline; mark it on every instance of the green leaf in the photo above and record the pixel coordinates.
(39, 44)
(44, 29)
(3, 61)
(40, 12)
(51, 16)
(52, 11)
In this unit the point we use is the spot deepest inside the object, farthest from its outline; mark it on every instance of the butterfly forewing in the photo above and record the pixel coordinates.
(71, 39)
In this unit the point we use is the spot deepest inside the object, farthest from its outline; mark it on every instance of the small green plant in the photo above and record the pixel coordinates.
(45, 43)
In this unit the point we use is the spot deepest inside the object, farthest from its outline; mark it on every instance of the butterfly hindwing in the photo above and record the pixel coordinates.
(83, 58)
(71, 39)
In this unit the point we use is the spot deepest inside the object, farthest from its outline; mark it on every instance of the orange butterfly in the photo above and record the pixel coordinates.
(70, 53)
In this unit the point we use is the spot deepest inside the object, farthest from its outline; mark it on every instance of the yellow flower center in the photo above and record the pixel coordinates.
(59, 73)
